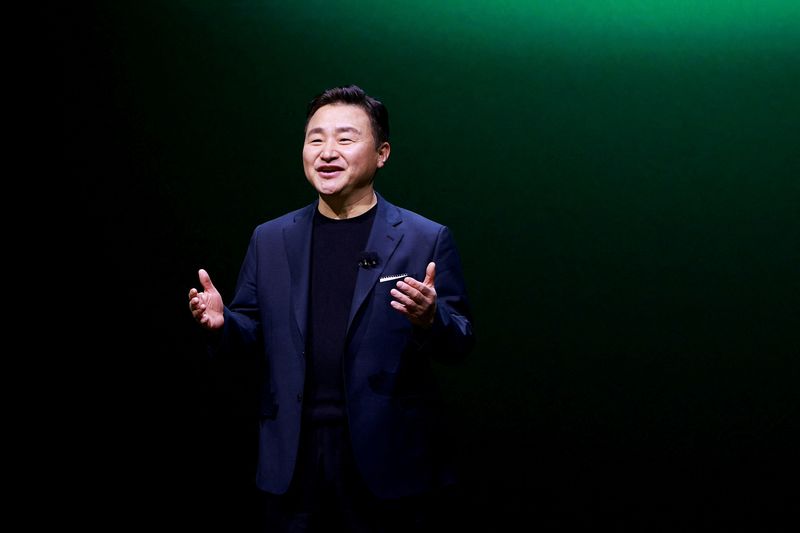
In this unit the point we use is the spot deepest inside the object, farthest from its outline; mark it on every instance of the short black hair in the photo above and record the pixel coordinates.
(355, 95)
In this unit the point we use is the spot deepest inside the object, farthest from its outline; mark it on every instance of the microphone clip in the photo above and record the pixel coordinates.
(368, 259)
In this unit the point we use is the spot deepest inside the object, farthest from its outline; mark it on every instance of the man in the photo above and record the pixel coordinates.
(350, 298)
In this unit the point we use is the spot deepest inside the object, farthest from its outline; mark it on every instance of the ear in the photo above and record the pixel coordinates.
(383, 154)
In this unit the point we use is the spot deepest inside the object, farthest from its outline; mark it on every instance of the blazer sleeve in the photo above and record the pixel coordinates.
(451, 336)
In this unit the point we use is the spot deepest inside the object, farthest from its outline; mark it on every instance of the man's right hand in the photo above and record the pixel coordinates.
(206, 306)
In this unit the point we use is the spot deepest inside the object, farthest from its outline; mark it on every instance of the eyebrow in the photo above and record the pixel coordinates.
(340, 129)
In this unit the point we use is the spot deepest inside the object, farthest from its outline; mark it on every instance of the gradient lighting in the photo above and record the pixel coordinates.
(631, 24)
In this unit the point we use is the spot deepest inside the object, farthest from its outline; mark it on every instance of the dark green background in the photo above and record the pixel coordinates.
(621, 178)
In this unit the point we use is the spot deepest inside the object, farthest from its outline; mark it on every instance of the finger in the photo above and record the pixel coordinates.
(201, 314)
(430, 274)
(426, 285)
(196, 304)
(418, 292)
(397, 306)
(205, 280)
(192, 293)
(415, 289)
(402, 298)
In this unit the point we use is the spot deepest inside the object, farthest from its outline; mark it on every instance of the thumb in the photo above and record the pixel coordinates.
(430, 274)
(205, 280)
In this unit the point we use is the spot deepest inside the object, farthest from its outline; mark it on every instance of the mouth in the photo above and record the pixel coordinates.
(329, 171)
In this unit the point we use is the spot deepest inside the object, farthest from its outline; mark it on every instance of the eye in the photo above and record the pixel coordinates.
(315, 141)
(345, 140)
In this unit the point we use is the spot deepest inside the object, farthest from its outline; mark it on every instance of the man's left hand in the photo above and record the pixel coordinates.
(417, 299)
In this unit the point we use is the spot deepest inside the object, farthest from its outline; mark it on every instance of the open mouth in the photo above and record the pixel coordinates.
(329, 172)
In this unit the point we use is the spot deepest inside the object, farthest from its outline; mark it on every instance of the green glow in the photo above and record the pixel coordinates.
(617, 24)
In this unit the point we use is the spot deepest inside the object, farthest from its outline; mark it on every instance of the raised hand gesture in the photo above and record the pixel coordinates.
(417, 299)
(206, 306)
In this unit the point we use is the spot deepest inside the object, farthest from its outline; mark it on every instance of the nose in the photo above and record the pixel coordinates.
(329, 152)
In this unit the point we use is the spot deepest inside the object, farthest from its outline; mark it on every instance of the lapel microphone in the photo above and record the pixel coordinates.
(367, 259)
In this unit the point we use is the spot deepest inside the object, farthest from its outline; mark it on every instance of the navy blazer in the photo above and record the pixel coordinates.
(390, 395)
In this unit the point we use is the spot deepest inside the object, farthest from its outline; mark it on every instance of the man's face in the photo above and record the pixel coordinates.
(339, 155)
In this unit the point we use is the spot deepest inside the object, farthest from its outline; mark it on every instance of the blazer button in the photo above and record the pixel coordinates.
(299, 397)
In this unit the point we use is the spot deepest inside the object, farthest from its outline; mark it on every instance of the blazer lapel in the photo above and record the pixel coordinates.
(383, 240)
(297, 239)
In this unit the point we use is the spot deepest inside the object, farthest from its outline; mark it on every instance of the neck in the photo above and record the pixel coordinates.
(350, 208)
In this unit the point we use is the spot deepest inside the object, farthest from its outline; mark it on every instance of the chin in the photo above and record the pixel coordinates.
(329, 191)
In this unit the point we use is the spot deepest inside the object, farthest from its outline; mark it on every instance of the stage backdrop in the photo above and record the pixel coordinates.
(621, 178)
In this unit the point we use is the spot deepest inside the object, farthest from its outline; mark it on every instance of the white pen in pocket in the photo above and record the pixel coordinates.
(391, 278)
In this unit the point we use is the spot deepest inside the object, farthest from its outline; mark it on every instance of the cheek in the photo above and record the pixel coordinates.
(361, 160)
(309, 155)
